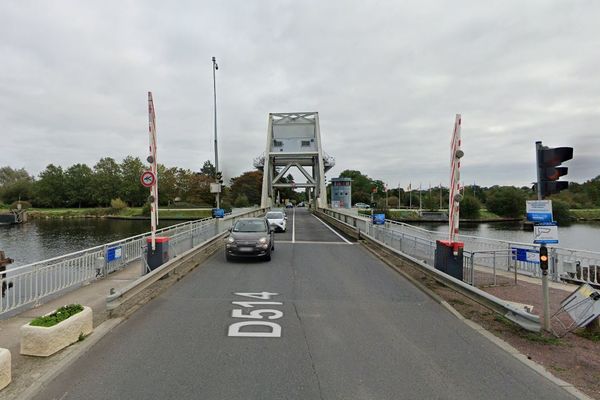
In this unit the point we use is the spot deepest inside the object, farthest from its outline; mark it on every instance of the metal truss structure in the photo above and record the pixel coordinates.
(294, 141)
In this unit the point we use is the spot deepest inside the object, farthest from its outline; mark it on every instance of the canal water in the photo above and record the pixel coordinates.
(580, 236)
(40, 239)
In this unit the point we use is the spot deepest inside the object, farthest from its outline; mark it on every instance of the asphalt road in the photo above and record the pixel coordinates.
(351, 328)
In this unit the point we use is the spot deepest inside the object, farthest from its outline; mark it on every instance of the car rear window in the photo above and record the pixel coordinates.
(250, 226)
(274, 215)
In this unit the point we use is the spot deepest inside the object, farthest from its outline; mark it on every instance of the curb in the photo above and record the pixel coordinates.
(99, 332)
(569, 388)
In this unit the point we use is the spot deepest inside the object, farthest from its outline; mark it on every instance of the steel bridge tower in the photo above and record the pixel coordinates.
(294, 140)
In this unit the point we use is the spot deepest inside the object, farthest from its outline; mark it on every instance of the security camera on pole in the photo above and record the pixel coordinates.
(449, 253)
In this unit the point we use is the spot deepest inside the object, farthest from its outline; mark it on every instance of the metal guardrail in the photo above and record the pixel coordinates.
(582, 266)
(32, 284)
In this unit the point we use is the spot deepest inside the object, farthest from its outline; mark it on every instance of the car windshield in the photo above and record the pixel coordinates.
(250, 226)
(274, 215)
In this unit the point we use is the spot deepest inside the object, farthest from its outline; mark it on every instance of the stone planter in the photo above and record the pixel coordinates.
(5, 376)
(45, 341)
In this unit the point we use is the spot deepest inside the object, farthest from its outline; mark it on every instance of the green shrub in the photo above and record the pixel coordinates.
(57, 316)
(561, 212)
(506, 201)
(146, 210)
(241, 201)
(470, 208)
(118, 204)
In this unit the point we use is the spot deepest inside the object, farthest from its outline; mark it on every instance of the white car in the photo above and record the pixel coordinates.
(277, 220)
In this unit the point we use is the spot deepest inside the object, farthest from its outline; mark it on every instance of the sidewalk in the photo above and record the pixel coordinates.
(92, 295)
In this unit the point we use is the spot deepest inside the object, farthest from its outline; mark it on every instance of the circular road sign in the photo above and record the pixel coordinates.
(148, 179)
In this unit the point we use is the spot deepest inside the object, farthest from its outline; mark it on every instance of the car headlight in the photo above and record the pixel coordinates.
(262, 240)
(230, 239)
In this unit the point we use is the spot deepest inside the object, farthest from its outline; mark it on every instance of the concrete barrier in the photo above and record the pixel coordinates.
(44, 341)
(5, 365)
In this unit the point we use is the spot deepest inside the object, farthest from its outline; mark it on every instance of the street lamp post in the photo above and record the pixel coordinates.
(215, 68)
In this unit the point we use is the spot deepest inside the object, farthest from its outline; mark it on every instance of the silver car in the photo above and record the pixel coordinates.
(250, 237)
(277, 220)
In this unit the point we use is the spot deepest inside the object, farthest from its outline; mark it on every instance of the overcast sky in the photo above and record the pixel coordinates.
(387, 79)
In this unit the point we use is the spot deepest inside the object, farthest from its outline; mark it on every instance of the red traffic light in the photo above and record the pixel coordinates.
(548, 161)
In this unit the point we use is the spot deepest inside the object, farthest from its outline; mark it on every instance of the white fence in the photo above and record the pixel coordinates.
(32, 284)
(565, 264)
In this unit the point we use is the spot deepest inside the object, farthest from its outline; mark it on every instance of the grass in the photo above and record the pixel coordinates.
(590, 213)
(537, 337)
(57, 316)
(587, 334)
(485, 214)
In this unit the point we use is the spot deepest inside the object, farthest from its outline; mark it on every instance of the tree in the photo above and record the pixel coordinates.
(506, 201)
(106, 181)
(208, 169)
(49, 189)
(241, 201)
(167, 185)
(470, 207)
(248, 184)
(9, 175)
(17, 190)
(78, 185)
(131, 189)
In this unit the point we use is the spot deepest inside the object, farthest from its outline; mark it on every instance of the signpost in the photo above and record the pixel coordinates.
(148, 179)
(545, 233)
(539, 210)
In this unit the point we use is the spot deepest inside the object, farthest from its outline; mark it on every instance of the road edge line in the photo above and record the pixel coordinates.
(331, 229)
(502, 344)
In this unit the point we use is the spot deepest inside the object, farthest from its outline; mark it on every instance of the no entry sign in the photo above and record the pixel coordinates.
(148, 179)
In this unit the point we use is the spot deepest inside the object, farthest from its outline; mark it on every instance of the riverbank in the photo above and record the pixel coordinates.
(127, 213)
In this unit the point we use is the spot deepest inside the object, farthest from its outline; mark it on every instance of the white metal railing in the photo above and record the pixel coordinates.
(581, 266)
(32, 284)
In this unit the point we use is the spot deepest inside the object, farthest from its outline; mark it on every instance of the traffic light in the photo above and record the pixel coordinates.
(549, 170)
(219, 177)
(544, 259)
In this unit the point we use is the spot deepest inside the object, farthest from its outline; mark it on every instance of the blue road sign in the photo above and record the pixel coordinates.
(378, 219)
(114, 253)
(526, 255)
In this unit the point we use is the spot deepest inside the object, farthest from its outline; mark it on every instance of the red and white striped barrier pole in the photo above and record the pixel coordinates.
(153, 169)
(454, 201)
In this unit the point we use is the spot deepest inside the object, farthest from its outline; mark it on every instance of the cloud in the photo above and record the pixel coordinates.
(387, 79)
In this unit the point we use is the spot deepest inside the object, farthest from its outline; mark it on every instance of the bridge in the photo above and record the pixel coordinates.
(325, 319)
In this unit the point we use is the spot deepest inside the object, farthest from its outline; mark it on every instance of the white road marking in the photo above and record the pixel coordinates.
(309, 242)
(294, 225)
(331, 229)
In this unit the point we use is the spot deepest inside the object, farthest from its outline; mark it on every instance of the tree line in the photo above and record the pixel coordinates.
(505, 201)
(83, 186)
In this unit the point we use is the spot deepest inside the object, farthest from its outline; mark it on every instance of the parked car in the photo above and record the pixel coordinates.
(250, 237)
(277, 220)
(301, 204)
(289, 205)
(362, 205)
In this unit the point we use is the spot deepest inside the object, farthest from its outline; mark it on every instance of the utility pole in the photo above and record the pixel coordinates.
(215, 68)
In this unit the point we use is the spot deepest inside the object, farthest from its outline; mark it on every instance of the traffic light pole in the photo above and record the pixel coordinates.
(538, 147)
(215, 68)
(543, 250)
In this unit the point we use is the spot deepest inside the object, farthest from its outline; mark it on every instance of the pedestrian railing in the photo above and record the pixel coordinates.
(496, 255)
(33, 284)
